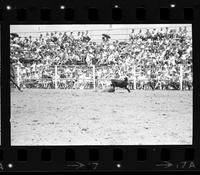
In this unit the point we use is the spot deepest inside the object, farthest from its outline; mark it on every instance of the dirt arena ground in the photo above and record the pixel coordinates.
(85, 117)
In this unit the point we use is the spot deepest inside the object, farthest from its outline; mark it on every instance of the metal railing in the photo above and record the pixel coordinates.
(84, 77)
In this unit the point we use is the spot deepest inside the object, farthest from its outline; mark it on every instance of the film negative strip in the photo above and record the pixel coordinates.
(100, 85)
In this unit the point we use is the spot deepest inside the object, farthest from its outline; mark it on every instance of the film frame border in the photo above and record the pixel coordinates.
(22, 158)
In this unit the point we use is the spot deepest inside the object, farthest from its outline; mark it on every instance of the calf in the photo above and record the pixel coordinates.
(120, 83)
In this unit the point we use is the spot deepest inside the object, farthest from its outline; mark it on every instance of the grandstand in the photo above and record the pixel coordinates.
(133, 51)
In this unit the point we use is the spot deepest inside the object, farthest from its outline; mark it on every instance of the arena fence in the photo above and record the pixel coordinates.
(92, 77)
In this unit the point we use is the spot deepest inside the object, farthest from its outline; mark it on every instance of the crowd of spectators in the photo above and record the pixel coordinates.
(155, 53)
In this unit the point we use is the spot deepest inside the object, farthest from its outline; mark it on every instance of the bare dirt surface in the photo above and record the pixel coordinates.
(85, 117)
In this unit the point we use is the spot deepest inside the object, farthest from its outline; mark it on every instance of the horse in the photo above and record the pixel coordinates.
(120, 83)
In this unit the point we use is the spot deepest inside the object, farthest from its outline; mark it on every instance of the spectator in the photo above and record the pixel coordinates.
(163, 49)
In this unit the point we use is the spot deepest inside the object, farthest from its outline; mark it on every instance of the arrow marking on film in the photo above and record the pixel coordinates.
(77, 165)
(166, 164)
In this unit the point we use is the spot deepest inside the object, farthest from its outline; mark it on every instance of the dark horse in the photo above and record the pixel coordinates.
(120, 83)
(12, 77)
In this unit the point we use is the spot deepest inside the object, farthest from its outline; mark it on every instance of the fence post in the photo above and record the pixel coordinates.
(93, 70)
(134, 78)
(18, 76)
(56, 75)
(181, 77)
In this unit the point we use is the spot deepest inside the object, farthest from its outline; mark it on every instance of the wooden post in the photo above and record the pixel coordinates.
(93, 70)
(134, 78)
(160, 86)
(18, 76)
(56, 76)
(35, 71)
(181, 77)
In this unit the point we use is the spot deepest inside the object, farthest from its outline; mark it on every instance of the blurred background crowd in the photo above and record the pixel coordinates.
(148, 54)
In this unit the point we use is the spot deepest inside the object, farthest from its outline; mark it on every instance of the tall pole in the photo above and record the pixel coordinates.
(181, 77)
(93, 70)
(18, 76)
(134, 78)
(56, 76)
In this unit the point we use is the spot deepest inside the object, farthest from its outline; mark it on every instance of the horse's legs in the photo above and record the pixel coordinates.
(152, 86)
(113, 87)
(127, 89)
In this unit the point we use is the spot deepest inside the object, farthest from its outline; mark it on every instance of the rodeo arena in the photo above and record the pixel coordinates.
(109, 86)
